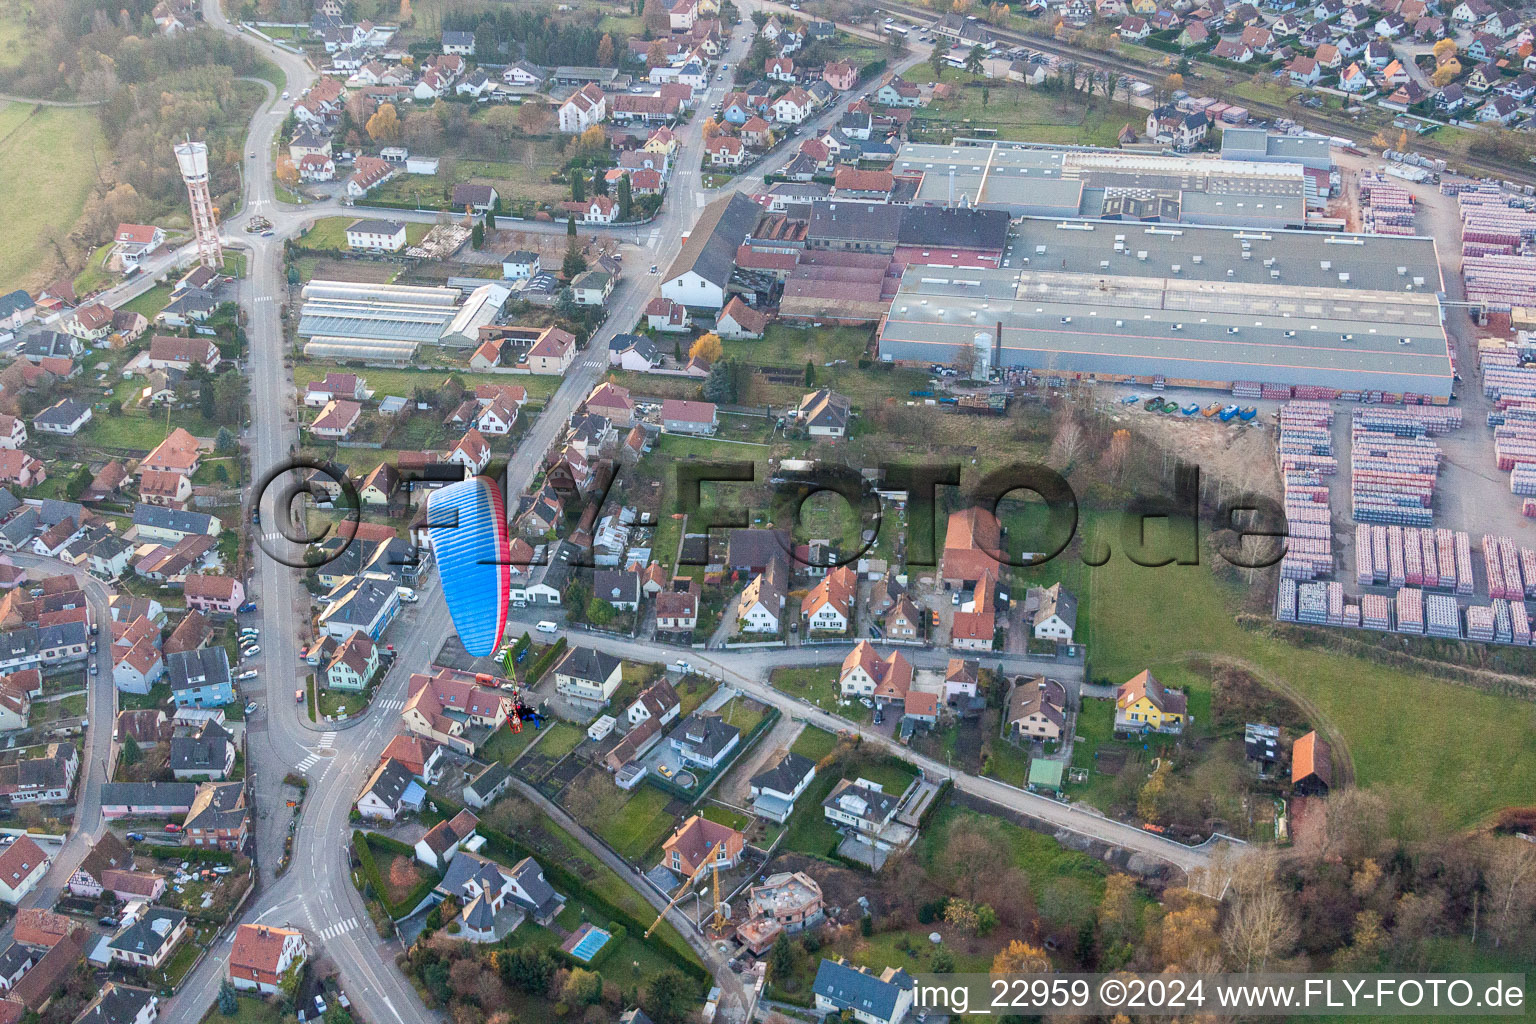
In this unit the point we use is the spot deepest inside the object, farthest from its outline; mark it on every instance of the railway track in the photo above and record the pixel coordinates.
(1523, 175)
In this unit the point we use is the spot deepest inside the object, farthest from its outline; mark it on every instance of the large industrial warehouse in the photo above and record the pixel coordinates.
(1071, 182)
(1198, 306)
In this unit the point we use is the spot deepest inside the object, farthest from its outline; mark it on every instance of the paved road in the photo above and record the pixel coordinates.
(101, 714)
(748, 671)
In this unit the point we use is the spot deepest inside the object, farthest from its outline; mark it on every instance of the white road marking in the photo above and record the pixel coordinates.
(336, 929)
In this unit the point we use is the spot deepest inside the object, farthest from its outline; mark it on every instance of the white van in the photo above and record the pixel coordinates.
(406, 594)
(547, 627)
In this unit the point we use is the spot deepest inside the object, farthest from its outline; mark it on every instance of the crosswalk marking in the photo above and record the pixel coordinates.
(336, 929)
(306, 764)
(328, 738)
(391, 705)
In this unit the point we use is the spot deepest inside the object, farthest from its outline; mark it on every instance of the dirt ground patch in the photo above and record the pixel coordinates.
(1309, 825)
(1244, 456)
(840, 887)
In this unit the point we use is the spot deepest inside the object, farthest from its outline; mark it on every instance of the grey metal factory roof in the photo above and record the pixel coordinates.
(1087, 322)
(1205, 253)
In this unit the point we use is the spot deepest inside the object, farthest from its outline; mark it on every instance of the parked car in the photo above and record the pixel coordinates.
(298, 696)
(171, 826)
(249, 606)
(250, 707)
(135, 837)
(107, 922)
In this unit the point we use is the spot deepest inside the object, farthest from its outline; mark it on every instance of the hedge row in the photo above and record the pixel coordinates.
(543, 661)
(563, 878)
(186, 853)
(362, 845)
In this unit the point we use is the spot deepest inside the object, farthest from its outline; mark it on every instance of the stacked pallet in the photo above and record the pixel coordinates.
(1528, 572)
(1279, 392)
(1443, 615)
(1503, 628)
(1375, 611)
(1500, 283)
(1409, 606)
(1352, 616)
(1247, 389)
(1522, 480)
(1464, 582)
(1386, 208)
(1312, 603)
(1365, 567)
(1479, 622)
(1410, 421)
(1394, 466)
(1397, 570)
(1528, 508)
(1315, 392)
(1520, 624)
(1501, 560)
(1306, 454)
(1285, 601)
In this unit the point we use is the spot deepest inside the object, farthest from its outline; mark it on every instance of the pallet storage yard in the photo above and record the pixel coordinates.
(1320, 315)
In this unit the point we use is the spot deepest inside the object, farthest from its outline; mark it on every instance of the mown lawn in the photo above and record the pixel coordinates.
(248, 1010)
(813, 743)
(331, 233)
(507, 746)
(151, 302)
(1476, 757)
(562, 739)
(744, 713)
(818, 684)
(788, 349)
(639, 825)
(45, 190)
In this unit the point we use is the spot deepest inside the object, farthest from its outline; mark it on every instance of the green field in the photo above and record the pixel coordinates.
(818, 684)
(523, 175)
(562, 739)
(13, 33)
(134, 428)
(1018, 112)
(44, 190)
(790, 348)
(744, 713)
(331, 233)
(507, 746)
(1451, 749)
(638, 825)
(151, 302)
(813, 743)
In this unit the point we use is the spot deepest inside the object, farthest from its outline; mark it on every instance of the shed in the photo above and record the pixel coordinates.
(1046, 774)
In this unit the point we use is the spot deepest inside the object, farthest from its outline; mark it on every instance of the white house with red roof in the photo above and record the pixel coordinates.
(336, 420)
(262, 955)
(132, 242)
(213, 595)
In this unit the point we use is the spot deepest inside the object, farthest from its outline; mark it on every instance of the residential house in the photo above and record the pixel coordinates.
(22, 865)
(367, 602)
(354, 664)
(1144, 705)
(336, 420)
(171, 353)
(584, 108)
(775, 789)
(207, 754)
(145, 941)
(761, 608)
(263, 956)
(828, 607)
(383, 795)
(443, 840)
(699, 842)
(865, 674)
(704, 741)
(552, 352)
(587, 675)
(200, 677)
(66, 417)
(1055, 616)
(871, 999)
(1037, 710)
(376, 235)
(218, 817)
(679, 416)
(214, 595)
(864, 812)
(487, 785)
(824, 413)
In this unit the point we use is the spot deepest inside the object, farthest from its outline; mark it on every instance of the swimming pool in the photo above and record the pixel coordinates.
(585, 943)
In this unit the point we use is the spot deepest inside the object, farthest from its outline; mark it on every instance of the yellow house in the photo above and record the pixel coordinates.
(662, 140)
(1144, 6)
(1144, 704)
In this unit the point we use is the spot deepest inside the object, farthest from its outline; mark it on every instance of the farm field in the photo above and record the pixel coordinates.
(43, 194)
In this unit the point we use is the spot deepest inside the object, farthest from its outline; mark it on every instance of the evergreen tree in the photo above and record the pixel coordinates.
(626, 199)
(574, 262)
(224, 442)
(477, 235)
(810, 374)
(599, 183)
(490, 220)
(570, 225)
(207, 401)
(131, 755)
(781, 959)
(229, 1005)
(578, 185)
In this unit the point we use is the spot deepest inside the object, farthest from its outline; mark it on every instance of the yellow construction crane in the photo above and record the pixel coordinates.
(710, 862)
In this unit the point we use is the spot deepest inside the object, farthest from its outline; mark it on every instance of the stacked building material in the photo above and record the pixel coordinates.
(1442, 615)
(1413, 558)
(1281, 392)
(1396, 568)
(1312, 603)
(1500, 282)
(1306, 452)
(1352, 616)
(1522, 479)
(1393, 467)
(1375, 611)
(1285, 600)
(1410, 610)
(1479, 622)
(1503, 627)
(1315, 392)
(1247, 389)
(1445, 555)
(1514, 444)
(1386, 208)
(1520, 624)
(1430, 560)
(1365, 571)
(1528, 571)
(1464, 581)
(1410, 421)
(1335, 604)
